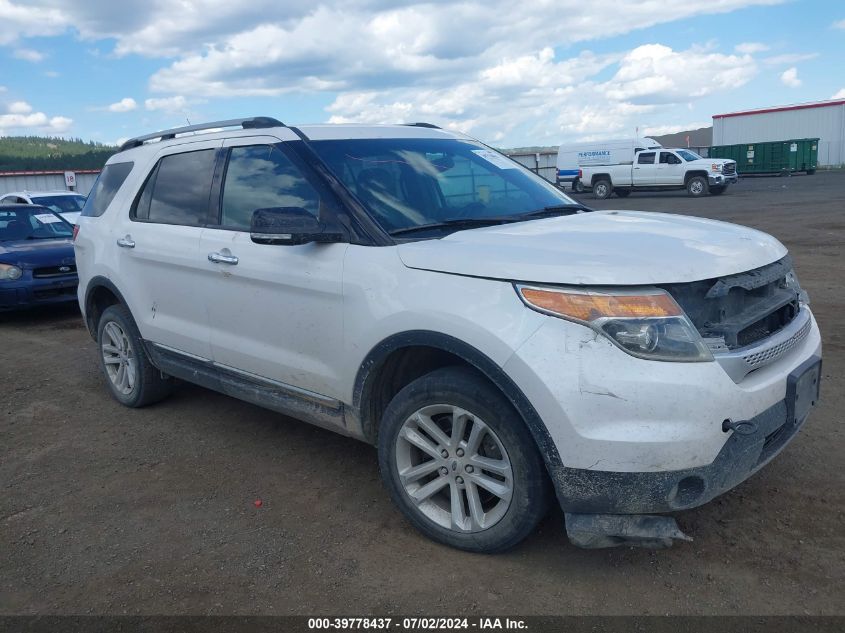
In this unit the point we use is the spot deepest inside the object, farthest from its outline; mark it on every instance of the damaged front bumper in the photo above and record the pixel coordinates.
(607, 509)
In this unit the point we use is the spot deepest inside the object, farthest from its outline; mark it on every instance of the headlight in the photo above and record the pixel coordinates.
(791, 281)
(646, 323)
(9, 272)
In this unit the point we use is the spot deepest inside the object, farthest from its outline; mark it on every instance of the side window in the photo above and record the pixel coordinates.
(669, 158)
(645, 158)
(105, 189)
(262, 177)
(178, 190)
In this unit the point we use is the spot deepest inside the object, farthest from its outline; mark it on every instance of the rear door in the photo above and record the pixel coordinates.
(643, 169)
(276, 311)
(158, 242)
(669, 169)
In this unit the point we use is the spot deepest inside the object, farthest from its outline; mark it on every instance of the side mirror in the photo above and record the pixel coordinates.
(289, 226)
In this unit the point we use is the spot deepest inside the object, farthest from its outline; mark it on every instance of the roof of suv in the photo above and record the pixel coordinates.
(265, 125)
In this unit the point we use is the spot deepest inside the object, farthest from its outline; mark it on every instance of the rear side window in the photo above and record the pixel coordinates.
(105, 189)
(646, 158)
(178, 190)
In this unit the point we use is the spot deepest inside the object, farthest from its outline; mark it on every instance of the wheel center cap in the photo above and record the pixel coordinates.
(454, 465)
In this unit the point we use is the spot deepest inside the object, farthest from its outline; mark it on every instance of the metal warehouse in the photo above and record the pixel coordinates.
(824, 120)
(50, 180)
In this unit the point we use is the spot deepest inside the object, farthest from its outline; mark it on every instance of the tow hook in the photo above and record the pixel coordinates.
(743, 427)
(594, 531)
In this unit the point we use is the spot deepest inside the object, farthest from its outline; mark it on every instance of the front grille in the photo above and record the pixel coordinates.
(766, 356)
(50, 293)
(54, 271)
(729, 169)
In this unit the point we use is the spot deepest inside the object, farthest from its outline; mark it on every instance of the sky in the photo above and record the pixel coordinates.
(513, 74)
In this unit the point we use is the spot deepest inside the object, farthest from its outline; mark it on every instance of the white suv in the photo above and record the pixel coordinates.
(415, 289)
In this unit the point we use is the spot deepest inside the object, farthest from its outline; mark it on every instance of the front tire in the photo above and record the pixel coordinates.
(131, 377)
(602, 189)
(697, 186)
(459, 462)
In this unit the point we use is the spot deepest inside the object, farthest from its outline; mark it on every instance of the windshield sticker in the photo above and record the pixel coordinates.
(47, 218)
(495, 159)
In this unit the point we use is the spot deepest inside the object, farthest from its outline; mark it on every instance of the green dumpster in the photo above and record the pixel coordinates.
(771, 157)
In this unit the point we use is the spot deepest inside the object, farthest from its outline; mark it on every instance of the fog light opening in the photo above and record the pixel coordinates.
(687, 492)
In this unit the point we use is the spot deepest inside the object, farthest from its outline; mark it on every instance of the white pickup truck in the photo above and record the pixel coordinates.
(657, 169)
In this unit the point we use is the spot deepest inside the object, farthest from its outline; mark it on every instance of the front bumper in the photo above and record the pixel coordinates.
(638, 436)
(721, 180)
(591, 491)
(29, 291)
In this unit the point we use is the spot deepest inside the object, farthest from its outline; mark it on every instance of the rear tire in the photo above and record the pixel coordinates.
(578, 186)
(697, 186)
(131, 377)
(459, 462)
(602, 189)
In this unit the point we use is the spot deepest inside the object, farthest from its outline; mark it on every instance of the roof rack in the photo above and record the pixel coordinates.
(165, 135)
(423, 124)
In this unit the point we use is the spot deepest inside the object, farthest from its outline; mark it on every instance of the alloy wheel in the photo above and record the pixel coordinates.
(119, 358)
(454, 468)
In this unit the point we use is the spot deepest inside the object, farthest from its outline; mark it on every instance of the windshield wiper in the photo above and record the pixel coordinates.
(557, 209)
(454, 223)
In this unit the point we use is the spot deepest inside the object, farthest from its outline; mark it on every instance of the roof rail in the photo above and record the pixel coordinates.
(165, 135)
(423, 124)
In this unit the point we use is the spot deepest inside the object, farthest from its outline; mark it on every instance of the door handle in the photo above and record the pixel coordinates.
(126, 242)
(220, 258)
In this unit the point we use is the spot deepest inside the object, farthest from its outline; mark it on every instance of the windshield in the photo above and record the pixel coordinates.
(688, 155)
(407, 183)
(32, 223)
(61, 204)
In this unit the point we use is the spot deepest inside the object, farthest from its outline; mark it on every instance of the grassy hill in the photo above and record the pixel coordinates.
(39, 153)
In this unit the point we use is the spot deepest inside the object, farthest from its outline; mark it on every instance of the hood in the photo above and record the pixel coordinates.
(625, 248)
(36, 253)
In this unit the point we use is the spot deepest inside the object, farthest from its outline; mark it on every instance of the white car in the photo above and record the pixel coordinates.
(68, 204)
(499, 343)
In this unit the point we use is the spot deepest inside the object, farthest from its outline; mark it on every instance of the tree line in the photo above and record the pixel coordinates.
(36, 153)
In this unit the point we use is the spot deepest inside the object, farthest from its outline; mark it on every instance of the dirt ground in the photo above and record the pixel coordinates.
(107, 510)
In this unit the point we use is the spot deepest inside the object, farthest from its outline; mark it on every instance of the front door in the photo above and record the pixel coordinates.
(670, 170)
(275, 310)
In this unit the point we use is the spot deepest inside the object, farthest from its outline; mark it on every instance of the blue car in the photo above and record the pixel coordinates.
(37, 265)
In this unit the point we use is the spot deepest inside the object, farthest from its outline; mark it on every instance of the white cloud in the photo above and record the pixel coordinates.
(839, 24)
(657, 74)
(545, 100)
(19, 107)
(839, 95)
(168, 104)
(19, 117)
(788, 58)
(51, 73)
(27, 21)
(127, 104)
(29, 55)
(749, 48)
(789, 77)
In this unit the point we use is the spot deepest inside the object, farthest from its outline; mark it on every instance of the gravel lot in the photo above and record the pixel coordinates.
(110, 510)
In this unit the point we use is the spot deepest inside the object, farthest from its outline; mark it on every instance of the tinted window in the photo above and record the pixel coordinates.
(669, 158)
(105, 189)
(646, 158)
(177, 191)
(262, 177)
